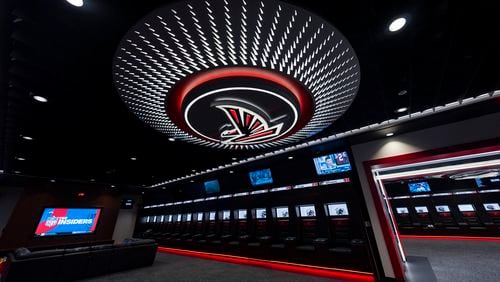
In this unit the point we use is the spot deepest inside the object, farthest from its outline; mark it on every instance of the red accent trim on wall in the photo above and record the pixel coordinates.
(389, 238)
(455, 238)
(333, 273)
(179, 93)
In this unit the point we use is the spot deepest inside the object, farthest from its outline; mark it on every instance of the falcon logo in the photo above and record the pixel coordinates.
(239, 108)
(246, 126)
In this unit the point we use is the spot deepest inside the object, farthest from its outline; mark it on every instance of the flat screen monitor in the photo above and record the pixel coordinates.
(200, 216)
(333, 163)
(479, 182)
(127, 204)
(466, 208)
(242, 214)
(307, 211)
(421, 209)
(189, 217)
(282, 212)
(491, 206)
(260, 177)
(211, 216)
(338, 209)
(212, 186)
(226, 215)
(67, 221)
(419, 187)
(260, 213)
(402, 210)
(443, 208)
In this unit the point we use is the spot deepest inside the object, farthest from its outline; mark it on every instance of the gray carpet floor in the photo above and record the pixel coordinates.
(168, 267)
(458, 261)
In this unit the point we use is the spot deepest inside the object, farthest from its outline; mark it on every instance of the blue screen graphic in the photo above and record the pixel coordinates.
(333, 163)
(419, 187)
(67, 221)
(260, 177)
(212, 186)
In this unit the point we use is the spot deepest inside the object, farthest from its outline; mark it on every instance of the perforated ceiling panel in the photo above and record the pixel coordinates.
(236, 74)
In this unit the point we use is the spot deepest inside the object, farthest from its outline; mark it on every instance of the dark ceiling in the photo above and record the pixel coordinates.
(447, 51)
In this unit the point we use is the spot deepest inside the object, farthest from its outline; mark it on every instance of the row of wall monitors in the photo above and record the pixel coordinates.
(446, 208)
(338, 209)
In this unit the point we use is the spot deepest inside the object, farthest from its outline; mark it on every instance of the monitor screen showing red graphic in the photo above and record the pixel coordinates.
(67, 221)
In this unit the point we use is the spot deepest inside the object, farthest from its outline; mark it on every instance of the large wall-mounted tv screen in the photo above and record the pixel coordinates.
(67, 221)
(333, 163)
(261, 177)
(212, 186)
(419, 187)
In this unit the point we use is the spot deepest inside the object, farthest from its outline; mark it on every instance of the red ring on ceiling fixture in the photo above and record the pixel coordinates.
(182, 89)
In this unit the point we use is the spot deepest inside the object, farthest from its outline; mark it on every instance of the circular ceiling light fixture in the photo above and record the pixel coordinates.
(235, 74)
(40, 99)
(76, 3)
(397, 24)
(402, 110)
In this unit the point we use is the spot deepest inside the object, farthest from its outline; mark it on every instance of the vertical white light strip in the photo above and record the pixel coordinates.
(257, 38)
(215, 34)
(229, 32)
(387, 207)
(243, 36)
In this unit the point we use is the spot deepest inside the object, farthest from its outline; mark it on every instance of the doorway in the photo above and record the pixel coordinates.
(444, 206)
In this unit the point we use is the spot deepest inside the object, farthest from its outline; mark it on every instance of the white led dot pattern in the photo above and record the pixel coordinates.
(179, 40)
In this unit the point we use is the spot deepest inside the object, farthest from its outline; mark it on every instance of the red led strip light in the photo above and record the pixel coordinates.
(333, 273)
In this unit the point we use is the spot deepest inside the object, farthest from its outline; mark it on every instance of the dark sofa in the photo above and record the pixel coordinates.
(78, 263)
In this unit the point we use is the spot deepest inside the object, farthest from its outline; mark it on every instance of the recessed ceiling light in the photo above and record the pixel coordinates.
(290, 157)
(403, 109)
(17, 171)
(193, 170)
(20, 159)
(397, 24)
(231, 171)
(133, 158)
(389, 134)
(76, 3)
(163, 188)
(92, 179)
(234, 159)
(112, 186)
(171, 139)
(40, 99)
(402, 92)
(142, 192)
(52, 180)
(192, 181)
(26, 137)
